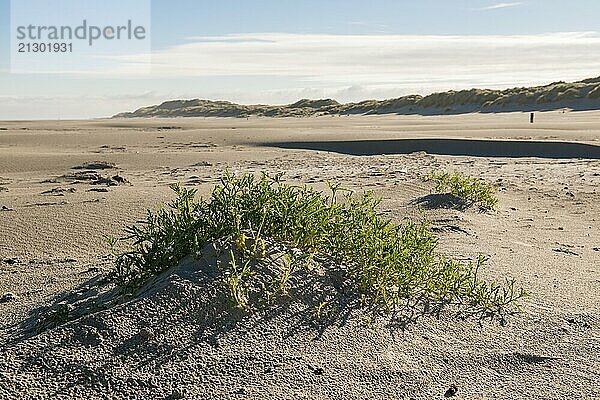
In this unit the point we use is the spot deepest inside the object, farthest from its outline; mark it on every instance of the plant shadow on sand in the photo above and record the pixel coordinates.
(436, 201)
(192, 295)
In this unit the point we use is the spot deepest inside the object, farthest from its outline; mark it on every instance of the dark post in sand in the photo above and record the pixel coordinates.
(531, 118)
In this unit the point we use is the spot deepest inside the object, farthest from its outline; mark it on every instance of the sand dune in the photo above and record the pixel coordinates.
(582, 95)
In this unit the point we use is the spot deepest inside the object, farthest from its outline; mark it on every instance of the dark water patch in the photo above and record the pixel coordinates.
(452, 147)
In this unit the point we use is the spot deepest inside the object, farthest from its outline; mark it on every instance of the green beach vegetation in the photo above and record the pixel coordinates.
(469, 189)
(388, 264)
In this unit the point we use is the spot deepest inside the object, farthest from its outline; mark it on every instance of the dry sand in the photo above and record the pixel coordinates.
(546, 234)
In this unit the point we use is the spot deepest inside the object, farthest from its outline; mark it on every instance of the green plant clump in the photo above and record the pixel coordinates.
(469, 189)
(390, 265)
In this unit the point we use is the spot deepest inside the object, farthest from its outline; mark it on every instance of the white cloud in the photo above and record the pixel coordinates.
(70, 107)
(381, 60)
(281, 67)
(501, 5)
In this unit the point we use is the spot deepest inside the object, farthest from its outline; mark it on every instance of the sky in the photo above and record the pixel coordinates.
(278, 51)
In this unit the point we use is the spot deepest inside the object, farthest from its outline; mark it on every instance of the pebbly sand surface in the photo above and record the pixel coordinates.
(55, 211)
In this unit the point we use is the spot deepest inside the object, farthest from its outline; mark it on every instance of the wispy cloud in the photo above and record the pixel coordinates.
(501, 5)
(71, 107)
(372, 60)
(279, 68)
(372, 25)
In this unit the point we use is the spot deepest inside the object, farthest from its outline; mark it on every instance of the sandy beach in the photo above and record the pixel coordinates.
(54, 217)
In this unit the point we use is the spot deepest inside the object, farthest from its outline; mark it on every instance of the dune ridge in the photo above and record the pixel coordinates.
(581, 95)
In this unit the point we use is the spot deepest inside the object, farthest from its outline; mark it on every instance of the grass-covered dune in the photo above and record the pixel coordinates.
(582, 95)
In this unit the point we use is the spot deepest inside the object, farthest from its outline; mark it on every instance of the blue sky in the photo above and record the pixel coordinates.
(444, 17)
(347, 49)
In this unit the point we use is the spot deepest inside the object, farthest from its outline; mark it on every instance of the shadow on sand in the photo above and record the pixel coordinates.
(447, 201)
(452, 147)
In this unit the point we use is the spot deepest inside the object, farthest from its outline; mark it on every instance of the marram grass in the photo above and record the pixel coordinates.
(469, 189)
(389, 264)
